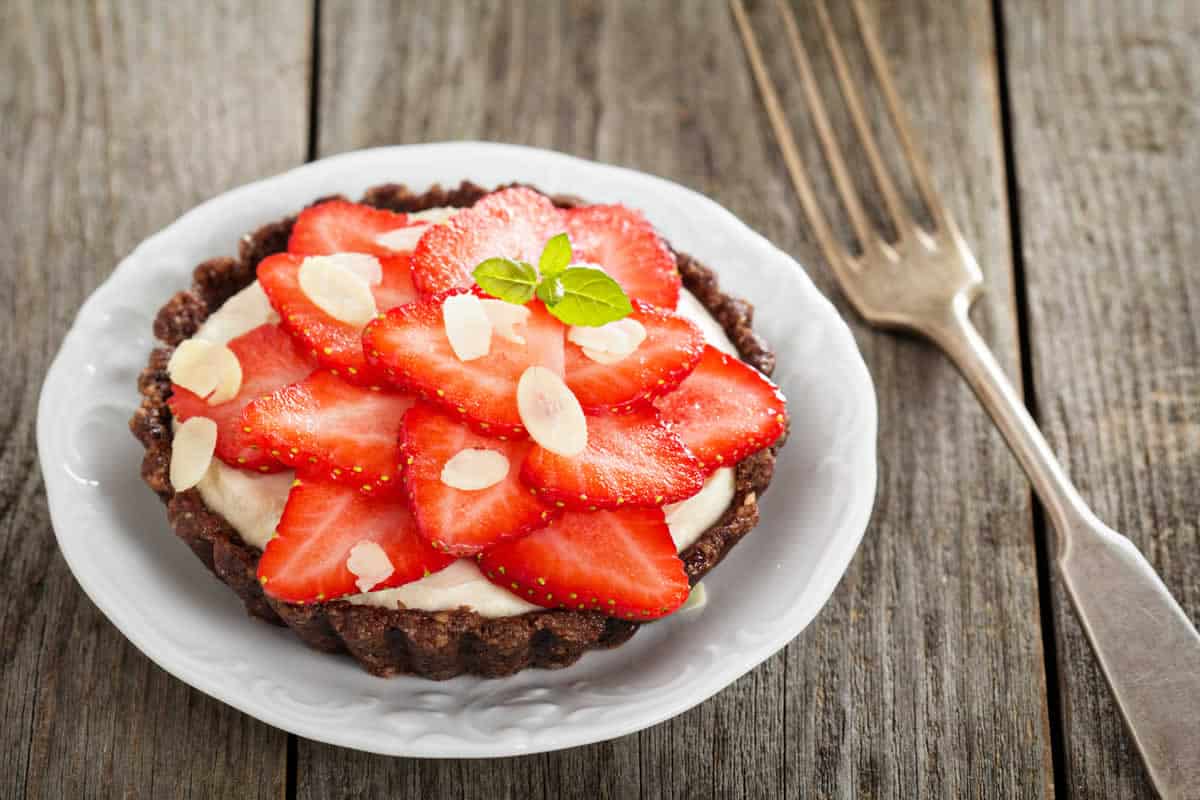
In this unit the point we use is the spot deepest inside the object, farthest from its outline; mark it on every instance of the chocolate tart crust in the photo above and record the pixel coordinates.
(440, 644)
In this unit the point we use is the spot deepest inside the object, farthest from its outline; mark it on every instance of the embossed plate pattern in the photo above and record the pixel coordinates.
(114, 536)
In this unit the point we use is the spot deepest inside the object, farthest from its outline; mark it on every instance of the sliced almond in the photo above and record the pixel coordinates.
(473, 469)
(609, 343)
(206, 370)
(402, 239)
(551, 412)
(337, 289)
(370, 564)
(192, 452)
(467, 326)
(505, 317)
(364, 265)
(435, 216)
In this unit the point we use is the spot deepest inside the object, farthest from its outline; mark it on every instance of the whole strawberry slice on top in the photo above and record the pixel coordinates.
(630, 460)
(625, 245)
(335, 344)
(269, 359)
(339, 226)
(411, 347)
(332, 428)
(724, 411)
(512, 223)
(334, 540)
(622, 563)
(464, 521)
(670, 350)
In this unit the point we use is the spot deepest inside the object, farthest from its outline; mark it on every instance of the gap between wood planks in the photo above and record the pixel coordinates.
(1041, 533)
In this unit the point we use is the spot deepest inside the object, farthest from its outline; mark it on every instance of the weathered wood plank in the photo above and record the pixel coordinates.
(117, 117)
(924, 676)
(1107, 153)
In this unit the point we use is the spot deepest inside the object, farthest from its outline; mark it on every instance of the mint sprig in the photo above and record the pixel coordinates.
(576, 294)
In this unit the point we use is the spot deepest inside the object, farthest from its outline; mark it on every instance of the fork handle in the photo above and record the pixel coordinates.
(1148, 650)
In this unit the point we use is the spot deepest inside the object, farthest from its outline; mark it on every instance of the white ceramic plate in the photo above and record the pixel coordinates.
(114, 535)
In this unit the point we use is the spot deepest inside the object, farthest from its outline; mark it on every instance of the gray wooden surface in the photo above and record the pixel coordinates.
(1107, 139)
(945, 664)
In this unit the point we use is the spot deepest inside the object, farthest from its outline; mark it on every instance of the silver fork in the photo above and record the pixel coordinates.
(926, 281)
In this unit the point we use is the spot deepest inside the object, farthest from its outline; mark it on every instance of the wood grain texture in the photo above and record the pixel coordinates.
(1107, 150)
(924, 675)
(117, 117)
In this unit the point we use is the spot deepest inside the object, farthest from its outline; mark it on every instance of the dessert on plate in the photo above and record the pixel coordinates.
(460, 431)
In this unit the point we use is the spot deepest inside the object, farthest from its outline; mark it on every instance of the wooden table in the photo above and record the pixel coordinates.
(1065, 136)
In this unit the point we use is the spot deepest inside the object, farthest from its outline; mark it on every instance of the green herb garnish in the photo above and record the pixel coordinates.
(576, 294)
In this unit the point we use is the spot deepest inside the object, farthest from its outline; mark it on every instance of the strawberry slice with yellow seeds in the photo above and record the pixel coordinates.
(621, 563)
(465, 521)
(335, 344)
(333, 540)
(630, 460)
(339, 226)
(625, 245)
(512, 223)
(724, 411)
(670, 351)
(329, 427)
(409, 347)
(269, 359)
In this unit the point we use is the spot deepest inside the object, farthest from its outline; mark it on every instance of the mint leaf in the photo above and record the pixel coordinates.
(556, 256)
(586, 297)
(511, 281)
(550, 291)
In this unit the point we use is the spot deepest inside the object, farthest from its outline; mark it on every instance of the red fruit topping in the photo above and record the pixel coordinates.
(622, 563)
(511, 223)
(269, 359)
(630, 460)
(321, 525)
(724, 411)
(670, 351)
(331, 428)
(625, 244)
(410, 347)
(335, 344)
(457, 521)
(339, 226)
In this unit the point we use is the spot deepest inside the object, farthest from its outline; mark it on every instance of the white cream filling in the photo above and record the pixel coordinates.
(253, 503)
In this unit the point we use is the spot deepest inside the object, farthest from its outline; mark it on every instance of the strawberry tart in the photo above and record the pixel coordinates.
(461, 431)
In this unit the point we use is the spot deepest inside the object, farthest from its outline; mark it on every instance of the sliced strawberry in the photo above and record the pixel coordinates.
(335, 344)
(321, 525)
(410, 347)
(620, 562)
(512, 223)
(625, 244)
(630, 460)
(269, 359)
(670, 351)
(332, 428)
(339, 226)
(724, 411)
(397, 287)
(457, 521)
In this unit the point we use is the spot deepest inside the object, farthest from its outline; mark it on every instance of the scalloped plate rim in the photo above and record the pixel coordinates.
(815, 594)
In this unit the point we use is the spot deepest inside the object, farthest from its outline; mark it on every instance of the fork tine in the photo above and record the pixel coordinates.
(831, 247)
(883, 179)
(899, 118)
(829, 144)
